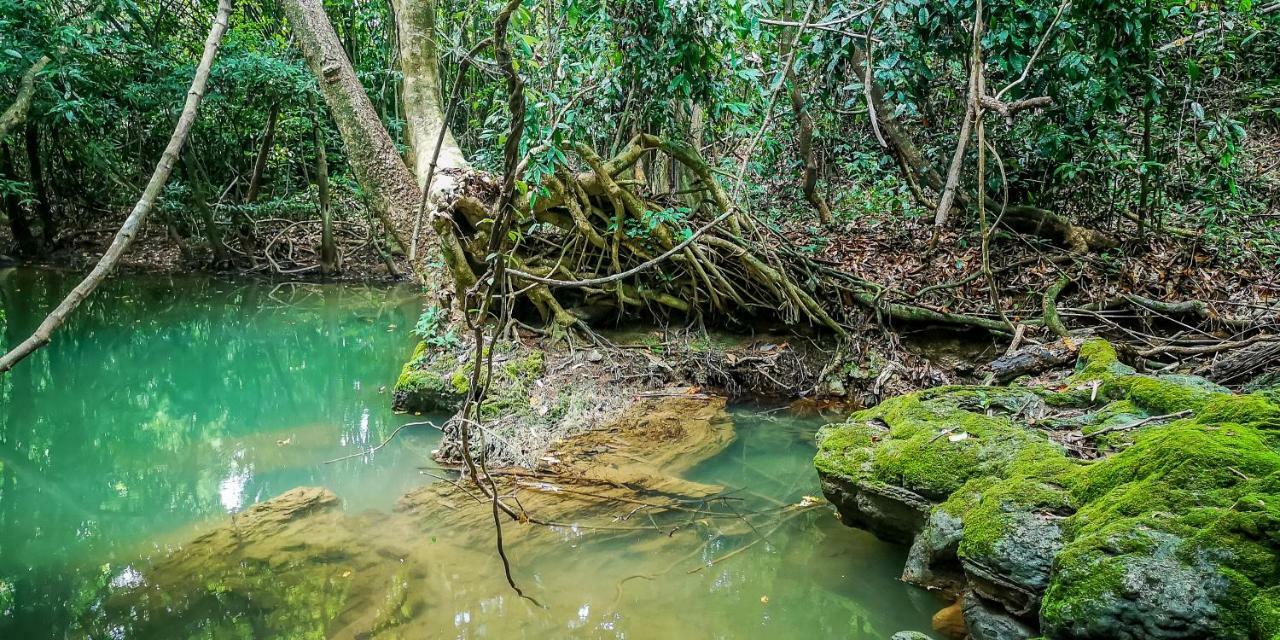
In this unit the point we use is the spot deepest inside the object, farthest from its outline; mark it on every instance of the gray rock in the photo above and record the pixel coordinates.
(910, 635)
(987, 622)
(891, 513)
(1017, 569)
(1160, 593)
(932, 561)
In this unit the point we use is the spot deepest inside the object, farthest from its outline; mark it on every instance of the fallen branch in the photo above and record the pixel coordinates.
(1145, 421)
(1199, 350)
(368, 452)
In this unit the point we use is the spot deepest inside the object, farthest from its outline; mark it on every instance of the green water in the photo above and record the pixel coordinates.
(168, 404)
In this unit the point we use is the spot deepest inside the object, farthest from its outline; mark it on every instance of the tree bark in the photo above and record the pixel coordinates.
(141, 210)
(200, 200)
(421, 92)
(23, 239)
(36, 170)
(388, 183)
(804, 137)
(328, 250)
(16, 114)
(264, 154)
(804, 142)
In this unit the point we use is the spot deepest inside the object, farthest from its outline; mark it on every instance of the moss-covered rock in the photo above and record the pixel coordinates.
(438, 380)
(1175, 536)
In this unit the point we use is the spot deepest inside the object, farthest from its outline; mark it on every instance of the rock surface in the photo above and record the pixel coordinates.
(1173, 533)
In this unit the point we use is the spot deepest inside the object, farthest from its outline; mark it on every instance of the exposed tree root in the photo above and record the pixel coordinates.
(589, 246)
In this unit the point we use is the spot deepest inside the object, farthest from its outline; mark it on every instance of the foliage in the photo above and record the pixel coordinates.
(1198, 78)
(433, 328)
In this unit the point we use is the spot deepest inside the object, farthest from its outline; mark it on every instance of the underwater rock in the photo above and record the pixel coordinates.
(298, 565)
(949, 622)
(909, 635)
(1173, 533)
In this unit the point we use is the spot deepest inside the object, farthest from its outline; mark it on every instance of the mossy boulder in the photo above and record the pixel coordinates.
(437, 380)
(1176, 535)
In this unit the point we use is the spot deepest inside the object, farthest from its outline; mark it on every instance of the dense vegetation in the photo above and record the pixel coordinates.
(1163, 112)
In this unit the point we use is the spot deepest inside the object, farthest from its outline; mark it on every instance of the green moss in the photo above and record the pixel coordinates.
(917, 451)
(1099, 361)
(845, 449)
(1198, 497)
(461, 381)
(1256, 409)
(1265, 611)
(1158, 396)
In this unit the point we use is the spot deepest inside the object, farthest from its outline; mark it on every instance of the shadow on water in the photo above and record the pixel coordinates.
(169, 403)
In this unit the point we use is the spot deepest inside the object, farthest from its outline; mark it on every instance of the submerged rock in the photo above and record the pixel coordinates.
(299, 565)
(1175, 534)
(910, 635)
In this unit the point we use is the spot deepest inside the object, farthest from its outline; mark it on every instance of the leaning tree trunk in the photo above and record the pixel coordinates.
(142, 209)
(16, 114)
(421, 93)
(390, 186)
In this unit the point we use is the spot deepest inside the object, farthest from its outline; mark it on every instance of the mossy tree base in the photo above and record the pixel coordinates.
(1177, 535)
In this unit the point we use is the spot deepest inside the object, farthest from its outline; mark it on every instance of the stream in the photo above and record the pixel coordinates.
(169, 404)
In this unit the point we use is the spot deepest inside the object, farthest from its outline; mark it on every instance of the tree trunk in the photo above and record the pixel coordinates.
(36, 169)
(141, 210)
(804, 136)
(264, 154)
(16, 114)
(391, 190)
(24, 241)
(421, 92)
(200, 200)
(328, 250)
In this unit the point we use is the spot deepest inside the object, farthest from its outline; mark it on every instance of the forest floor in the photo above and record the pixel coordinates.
(156, 251)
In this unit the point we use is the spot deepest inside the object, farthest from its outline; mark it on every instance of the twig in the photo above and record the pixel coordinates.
(384, 442)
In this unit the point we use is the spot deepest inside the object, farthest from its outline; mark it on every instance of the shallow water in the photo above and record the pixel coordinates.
(168, 404)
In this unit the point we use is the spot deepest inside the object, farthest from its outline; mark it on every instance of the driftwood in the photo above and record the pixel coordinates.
(1241, 365)
(1032, 359)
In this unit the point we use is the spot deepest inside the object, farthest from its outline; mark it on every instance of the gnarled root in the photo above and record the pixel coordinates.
(591, 245)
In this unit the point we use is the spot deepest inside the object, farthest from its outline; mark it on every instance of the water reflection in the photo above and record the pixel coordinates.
(168, 404)
(169, 401)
